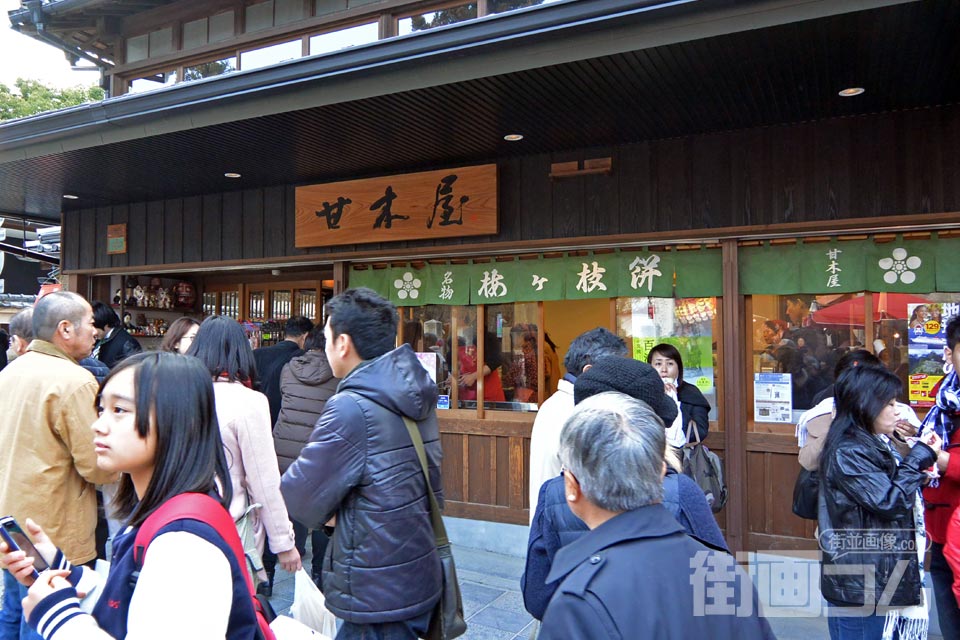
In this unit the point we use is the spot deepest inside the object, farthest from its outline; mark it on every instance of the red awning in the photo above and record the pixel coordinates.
(851, 312)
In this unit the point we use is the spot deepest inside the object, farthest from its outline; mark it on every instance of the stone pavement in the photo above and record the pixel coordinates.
(490, 585)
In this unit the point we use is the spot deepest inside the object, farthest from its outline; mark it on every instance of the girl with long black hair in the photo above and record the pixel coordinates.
(871, 515)
(158, 427)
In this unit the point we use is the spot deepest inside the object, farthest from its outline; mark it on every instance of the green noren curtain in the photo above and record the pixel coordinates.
(699, 273)
(832, 267)
(902, 266)
(769, 270)
(647, 273)
(948, 264)
(592, 276)
(539, 280)
(447, 284)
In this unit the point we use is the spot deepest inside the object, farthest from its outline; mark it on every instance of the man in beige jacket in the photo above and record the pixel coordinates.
(48, 467)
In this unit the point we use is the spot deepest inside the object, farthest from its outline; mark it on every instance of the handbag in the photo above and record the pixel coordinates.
(249, 541)
(447, 620)
(706, 469)
(805, 492)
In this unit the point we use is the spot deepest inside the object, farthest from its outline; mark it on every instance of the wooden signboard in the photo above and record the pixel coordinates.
(116, 239)
(414, 206)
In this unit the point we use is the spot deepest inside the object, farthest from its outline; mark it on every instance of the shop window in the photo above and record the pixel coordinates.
(209, 69)
(259, 16)
(272, 54)
(221, 26)
(500, 6)
(692, 325)
(798, 339)
(343, 38)
(195, 33)
(438, 18)
(428, 331)
(153, 81)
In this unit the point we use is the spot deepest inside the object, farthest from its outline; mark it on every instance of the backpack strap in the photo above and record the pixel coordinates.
(202, 508)
(191, 506)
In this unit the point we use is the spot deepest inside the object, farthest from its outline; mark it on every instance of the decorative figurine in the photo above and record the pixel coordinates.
(163, 299)
(118, 297)
(128, 321)
(139, 295)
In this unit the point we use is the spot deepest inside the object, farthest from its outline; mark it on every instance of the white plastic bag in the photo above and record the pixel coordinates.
(286, 628)
(310, 607)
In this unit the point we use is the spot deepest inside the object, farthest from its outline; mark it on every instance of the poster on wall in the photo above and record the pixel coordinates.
(687, 324)
(772, 397)
(927, 338)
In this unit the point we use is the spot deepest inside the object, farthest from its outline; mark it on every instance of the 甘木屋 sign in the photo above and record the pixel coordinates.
(432, 204)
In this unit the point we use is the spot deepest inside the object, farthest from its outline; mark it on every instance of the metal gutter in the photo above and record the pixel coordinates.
(525, 39)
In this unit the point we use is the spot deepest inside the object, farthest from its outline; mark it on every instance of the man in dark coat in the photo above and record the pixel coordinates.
(114, 343)
(307, 382)
(271, 360)
(636, 574)
(381, 574)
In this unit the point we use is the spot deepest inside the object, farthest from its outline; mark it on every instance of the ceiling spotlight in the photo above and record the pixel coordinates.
(231, 174)
(70, 196)
(513, 137)
(852, 91)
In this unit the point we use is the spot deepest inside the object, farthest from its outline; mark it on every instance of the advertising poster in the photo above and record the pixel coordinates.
(772, 397)
(687, 324)
(926, 329)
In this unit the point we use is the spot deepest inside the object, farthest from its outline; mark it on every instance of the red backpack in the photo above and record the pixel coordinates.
(203, 508)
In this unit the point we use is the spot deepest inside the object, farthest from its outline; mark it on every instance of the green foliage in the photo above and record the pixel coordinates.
(209, 69)
(463, 12)
(29, 97)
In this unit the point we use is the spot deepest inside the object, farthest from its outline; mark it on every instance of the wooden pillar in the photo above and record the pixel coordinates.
(734, 405)
(340, 280)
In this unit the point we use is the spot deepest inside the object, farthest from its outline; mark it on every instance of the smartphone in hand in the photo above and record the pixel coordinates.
(17, 539)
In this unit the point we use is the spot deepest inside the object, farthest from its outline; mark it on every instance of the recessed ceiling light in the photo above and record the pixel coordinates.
(513, 137)
(852, 91)
(70, 196)
(231, 174)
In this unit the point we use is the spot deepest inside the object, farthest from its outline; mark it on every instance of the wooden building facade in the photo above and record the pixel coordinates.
(760, 156)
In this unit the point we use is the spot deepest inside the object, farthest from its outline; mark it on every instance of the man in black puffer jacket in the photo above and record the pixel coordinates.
(381, 573)
(306, 383)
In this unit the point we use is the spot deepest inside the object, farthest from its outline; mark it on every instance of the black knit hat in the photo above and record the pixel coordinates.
(632, 377)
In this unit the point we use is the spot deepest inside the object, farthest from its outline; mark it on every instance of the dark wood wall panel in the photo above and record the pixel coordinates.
(103, 219)
(871, 166)
(274, 222)
(231, 247)
(452, 468)
(211, 222)
(88, 234)
(137, 234)
(192, 229)
(173, 231)
(70, 240)
(480, 457)
(156, 227)
(252, 226)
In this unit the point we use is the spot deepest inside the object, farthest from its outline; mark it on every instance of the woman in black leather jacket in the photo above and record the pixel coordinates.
(867, 512)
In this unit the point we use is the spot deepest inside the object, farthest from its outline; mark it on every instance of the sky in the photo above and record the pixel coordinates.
(25, 57)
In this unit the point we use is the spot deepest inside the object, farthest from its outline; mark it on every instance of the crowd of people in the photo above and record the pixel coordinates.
(311, 438)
